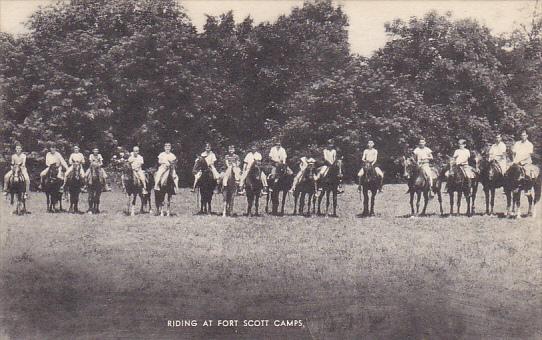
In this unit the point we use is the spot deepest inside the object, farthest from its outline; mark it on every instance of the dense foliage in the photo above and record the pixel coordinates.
(119, 73)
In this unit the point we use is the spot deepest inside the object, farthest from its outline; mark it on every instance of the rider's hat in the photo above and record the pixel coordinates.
(462, 142)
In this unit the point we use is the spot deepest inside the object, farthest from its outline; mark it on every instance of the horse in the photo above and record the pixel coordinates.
(253, 189)
(419, 185)
(16, 187)
(206, 185)
(52, 186)
(515, 182)
(167, 189)
(133, 187)
(458, 181)
(74, 183)
(492, 178)
(369, 182)
(306, 186)
(329, 184)
(282, 182)
(228, 192)
(95, 188)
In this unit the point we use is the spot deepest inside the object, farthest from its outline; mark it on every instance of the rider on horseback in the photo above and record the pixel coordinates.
(370, 155)
(166, 160)
(278, 157)
(423, 156)
(96, 158)
(253, 157)
(136, 162)
(461, 158)
(53, 157)
(75, 157)
(330, 158)
(522, 151)
(18, 158)
(497, 153)
(231, 161)
(210, 159)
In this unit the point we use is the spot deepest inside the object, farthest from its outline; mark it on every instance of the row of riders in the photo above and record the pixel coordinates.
(423, 176)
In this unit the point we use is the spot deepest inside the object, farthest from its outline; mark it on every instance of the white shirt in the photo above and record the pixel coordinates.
(522, 152)
(76, 158)
(55, 158)
(166, 158)
(210, 157)
(497, 151)
(462, 156)
(330, 155)
(370, 155)
(136, 161)
(252, 156)
(278, 154)
(423, 155)
(18, 159)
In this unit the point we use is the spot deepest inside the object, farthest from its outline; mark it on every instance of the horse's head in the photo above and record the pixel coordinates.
(200, 164)
(281, 169)
(409, 167)
(53, 171)
(17, 174)
(94, 169)
(76, 170)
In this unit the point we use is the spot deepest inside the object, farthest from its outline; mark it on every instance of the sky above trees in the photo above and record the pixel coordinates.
(366, 18)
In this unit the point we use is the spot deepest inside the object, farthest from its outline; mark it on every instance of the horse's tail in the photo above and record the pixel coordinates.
(537, 189)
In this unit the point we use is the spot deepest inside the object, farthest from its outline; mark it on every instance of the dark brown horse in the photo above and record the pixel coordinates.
(419, 185)
(369, 182)
(253, 188)
(515, 182)
(74, 183)
(458, 182)
(95, 187)
(16, 188)
(329, 184)
(167, 190)
(492, 178)
(206, 185)
(134, 188)
(305, 187)
(52, 188)
(282, 182)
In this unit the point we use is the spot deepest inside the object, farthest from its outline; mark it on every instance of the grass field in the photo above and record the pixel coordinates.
(110, 276)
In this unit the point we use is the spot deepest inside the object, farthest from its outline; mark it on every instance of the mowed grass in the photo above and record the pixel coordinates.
(112, 276)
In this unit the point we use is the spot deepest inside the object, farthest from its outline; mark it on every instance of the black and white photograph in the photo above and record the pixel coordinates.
(274, 169)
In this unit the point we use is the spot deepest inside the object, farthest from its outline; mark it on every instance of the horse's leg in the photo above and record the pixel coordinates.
(309, 203)
(373, 196)
(412, 212)
(469, 199)
(487, 194)
(439, 196)
(365, 201)
(518, 203)
(328, 193)
(257, 204)
(335, 202)
(425, 201)
(492, 199)
(473, 198)
(418, 199)
(301, 203)
(168, 207)
(320, 198)
(451, 193)
(46, 195)
(530, 201)
(459, 196)
(249, 202)
(284, 193)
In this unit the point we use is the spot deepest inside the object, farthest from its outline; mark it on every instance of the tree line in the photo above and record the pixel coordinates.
(123, 73)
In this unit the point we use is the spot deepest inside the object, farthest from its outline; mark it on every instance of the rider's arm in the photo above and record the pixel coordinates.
(376, 157)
